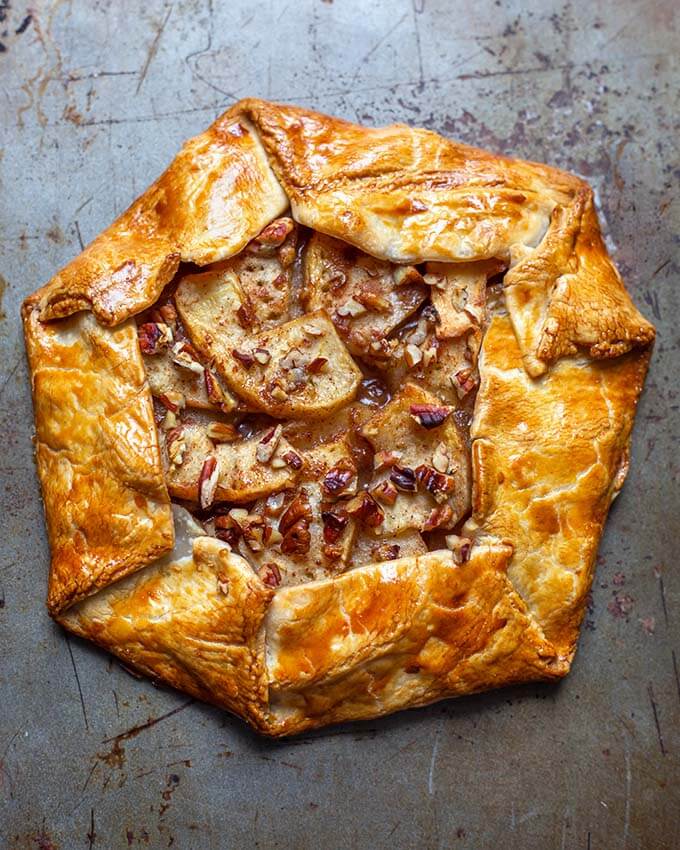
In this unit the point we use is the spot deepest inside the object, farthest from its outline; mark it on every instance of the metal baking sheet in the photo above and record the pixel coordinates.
(96, 98)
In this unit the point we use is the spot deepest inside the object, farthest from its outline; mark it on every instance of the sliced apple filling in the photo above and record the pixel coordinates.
(312, 401)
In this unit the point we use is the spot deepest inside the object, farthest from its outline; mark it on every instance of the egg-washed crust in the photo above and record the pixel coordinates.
(546, 457)
(559, 381)
(106, 503)
(194, 621)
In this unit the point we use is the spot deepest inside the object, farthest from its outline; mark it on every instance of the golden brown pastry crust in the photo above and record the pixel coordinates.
(216, 196)
(106, 503)
(545, 457)
(550, 432)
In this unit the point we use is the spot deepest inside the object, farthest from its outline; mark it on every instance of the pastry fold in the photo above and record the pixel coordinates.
(106, 503)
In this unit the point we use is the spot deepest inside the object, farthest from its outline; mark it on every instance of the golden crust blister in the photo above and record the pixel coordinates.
(354, 608)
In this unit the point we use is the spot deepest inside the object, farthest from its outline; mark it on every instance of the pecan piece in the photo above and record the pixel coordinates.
(297, 539)
(438, 517)
(298, 509)
(184, 355)
(243, 357)
(228, 530)
(405, 275)
(383, 460)
(430, 415)
(270, 574)
(338, 479)
(386, 551)
(440, 458)
(317, 365)
(154, 337)
(373, 301)
(385, 492)
(352, 308)
(334, 524)
(176, 446)
(222, 432)
(463, 381)
(437, 483)
(173, 401)
(214, 391)
(207, 481)
(413, 355)
(274, 234)
(268, 444)
(364, 508)
(403, 478)
(460, 547)
(293, 460)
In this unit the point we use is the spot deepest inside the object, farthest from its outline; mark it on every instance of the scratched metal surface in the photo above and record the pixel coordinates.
(95, 99)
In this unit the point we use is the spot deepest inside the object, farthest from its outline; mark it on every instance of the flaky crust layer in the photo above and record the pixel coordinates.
(560, 376)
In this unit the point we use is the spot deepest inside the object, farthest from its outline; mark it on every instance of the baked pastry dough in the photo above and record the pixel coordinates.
(329, 421)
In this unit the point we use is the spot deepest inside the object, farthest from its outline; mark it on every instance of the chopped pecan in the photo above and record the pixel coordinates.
(464, 380)
(413, 355)
(436, 483)
(334, 524)
(245, 315)
(154, 337)
(176, 446)
(268, 445)
(440, 459)
(317, 365)
(214, 391)
(352, 308)
(297, 539)
(430, 415)
(364, 508)
(312, 330)
(270, 574)
(253, 527)
(184, 355)
(298, 509)
(386, 551)
(339, 479)
(169, 421)
(277, 391)
(275, 233)
(274, 504)
(403, 478)
(385, 492)
(222, 432)
(262, 356)
(373, 301)
(228, 530)
(271, 535)
(292, 459)
(438, 517)
(173, 400)
(243, 357)
(207, 481)
(383, 460)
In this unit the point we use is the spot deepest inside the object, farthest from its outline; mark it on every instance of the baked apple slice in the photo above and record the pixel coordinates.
(365, 297)
(300, 369)
(422, 477)
(177, 375)
(207, 461)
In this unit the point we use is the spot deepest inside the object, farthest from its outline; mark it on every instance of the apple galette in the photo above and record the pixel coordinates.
(329, 421)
